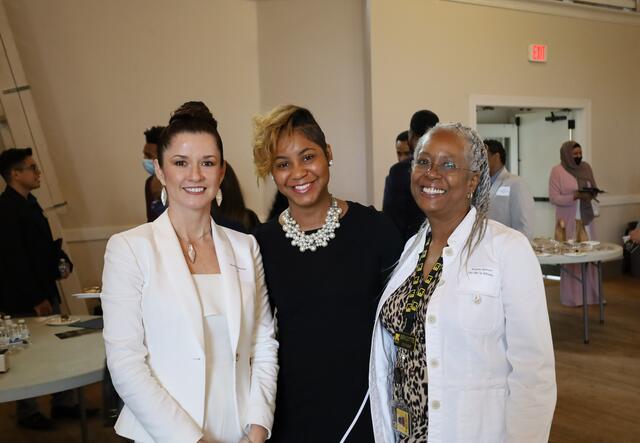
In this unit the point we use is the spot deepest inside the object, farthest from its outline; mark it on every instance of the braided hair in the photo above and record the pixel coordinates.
(476, 155)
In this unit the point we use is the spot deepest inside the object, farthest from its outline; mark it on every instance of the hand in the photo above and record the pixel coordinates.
(257, 434)
(634, 235)
(43, 308)
(582, 195)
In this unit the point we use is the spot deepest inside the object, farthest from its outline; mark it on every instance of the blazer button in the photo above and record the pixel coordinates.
(448, 251)
(431, 319)
(477, 299)
(435, 404)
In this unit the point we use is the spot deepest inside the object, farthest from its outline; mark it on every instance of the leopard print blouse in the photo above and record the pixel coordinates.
(412, 392)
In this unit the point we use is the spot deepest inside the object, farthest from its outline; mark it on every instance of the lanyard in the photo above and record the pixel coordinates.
(417, 292)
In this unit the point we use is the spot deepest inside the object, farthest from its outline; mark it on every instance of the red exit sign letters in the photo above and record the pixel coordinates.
(538, 53)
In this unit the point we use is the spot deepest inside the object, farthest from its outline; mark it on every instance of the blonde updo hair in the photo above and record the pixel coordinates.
(282, 120)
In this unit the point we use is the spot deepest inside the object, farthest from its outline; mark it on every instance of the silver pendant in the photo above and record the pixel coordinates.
(191, 252)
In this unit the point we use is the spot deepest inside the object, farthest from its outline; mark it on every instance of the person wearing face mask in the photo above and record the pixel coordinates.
(152, 186)
(567, 183)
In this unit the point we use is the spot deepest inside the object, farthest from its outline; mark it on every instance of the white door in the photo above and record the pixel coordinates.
(540, 142)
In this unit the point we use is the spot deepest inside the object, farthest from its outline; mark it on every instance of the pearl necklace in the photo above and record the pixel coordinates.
(318, 239)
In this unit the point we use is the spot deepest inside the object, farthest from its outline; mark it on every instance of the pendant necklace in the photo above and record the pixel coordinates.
(318, 239)
(191, 249)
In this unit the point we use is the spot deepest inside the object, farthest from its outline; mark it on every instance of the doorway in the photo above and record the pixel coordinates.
(532, 130)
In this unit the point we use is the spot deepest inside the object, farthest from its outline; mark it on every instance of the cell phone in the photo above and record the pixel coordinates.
(75, 333)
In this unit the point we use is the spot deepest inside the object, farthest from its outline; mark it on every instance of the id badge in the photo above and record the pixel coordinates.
(401, 419)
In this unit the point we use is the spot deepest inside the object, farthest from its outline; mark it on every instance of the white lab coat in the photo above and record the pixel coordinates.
(154, 335)
(490, 357)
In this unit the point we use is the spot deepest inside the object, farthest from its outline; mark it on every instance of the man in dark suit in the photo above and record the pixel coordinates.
(398, 203)
(30, 263)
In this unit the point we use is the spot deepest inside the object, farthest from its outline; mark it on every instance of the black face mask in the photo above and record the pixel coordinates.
(577, 160)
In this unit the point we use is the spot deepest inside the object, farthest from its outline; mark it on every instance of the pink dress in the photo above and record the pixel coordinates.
(562, 185)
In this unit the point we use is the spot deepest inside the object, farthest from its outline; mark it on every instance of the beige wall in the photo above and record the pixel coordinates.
(435, 54)
(102, 72)
(312, 53)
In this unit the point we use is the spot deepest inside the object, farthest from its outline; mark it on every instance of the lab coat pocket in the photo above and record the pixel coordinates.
(478, 311)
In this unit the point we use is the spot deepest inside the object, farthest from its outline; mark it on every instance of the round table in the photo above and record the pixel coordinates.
(604, 252)
(49, 364)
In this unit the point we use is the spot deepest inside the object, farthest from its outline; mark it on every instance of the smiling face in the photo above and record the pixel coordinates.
(301, 171)
(191, 170)
(440, 193)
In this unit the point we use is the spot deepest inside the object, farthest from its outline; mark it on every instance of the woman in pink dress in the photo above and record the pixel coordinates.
(565, 182)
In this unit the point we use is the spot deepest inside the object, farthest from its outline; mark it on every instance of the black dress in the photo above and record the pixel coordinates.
(325, 304)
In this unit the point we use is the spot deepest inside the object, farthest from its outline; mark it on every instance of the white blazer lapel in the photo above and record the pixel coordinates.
(173, 269)
(229, 269)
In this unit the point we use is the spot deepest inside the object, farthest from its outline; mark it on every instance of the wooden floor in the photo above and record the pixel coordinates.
(598, 383)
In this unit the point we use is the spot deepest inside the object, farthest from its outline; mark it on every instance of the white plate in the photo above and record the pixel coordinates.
(575, 254)
(591, 243)
(58, 321)
(543, 254)
(87, 295)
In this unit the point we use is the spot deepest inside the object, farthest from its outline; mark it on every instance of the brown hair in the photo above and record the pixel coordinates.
(191, 117)
(283, 120)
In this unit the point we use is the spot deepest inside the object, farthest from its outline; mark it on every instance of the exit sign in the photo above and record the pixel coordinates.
(538, 53)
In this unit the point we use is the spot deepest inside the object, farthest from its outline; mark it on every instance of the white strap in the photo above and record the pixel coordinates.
(355, 419)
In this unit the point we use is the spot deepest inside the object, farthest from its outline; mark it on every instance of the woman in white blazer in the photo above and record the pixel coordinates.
(188, 330)
(462, 348)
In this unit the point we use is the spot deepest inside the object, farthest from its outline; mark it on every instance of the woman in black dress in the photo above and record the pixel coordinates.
(326, 261)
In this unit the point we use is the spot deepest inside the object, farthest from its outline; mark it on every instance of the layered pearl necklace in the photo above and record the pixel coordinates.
(318, 239)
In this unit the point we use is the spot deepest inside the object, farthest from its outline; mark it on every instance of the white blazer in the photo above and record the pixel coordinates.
(154, 334)
(490, 360)
(512, 204)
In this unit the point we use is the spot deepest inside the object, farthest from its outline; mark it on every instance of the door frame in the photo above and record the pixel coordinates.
(581, 106)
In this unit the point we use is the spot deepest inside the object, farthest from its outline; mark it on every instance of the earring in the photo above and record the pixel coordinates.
(219, 197)
(330, 162)
(163, 196)
(470, 195)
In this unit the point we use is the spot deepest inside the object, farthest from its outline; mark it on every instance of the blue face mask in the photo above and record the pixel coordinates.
(147, 164)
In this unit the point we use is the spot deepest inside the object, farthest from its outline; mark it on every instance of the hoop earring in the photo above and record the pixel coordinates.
(219, 197)
(163, 196)
(470, 195)
(331, 162)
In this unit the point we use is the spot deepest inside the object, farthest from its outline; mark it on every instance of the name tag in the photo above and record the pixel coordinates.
(504, 191)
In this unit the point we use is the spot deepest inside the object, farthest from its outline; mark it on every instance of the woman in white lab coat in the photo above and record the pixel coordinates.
(462, 348)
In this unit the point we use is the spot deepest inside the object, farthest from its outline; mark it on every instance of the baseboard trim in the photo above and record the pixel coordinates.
(95, 233)
(619, 199)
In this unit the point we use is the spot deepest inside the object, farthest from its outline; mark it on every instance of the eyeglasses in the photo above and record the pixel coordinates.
(445, 167)
(33, 167)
